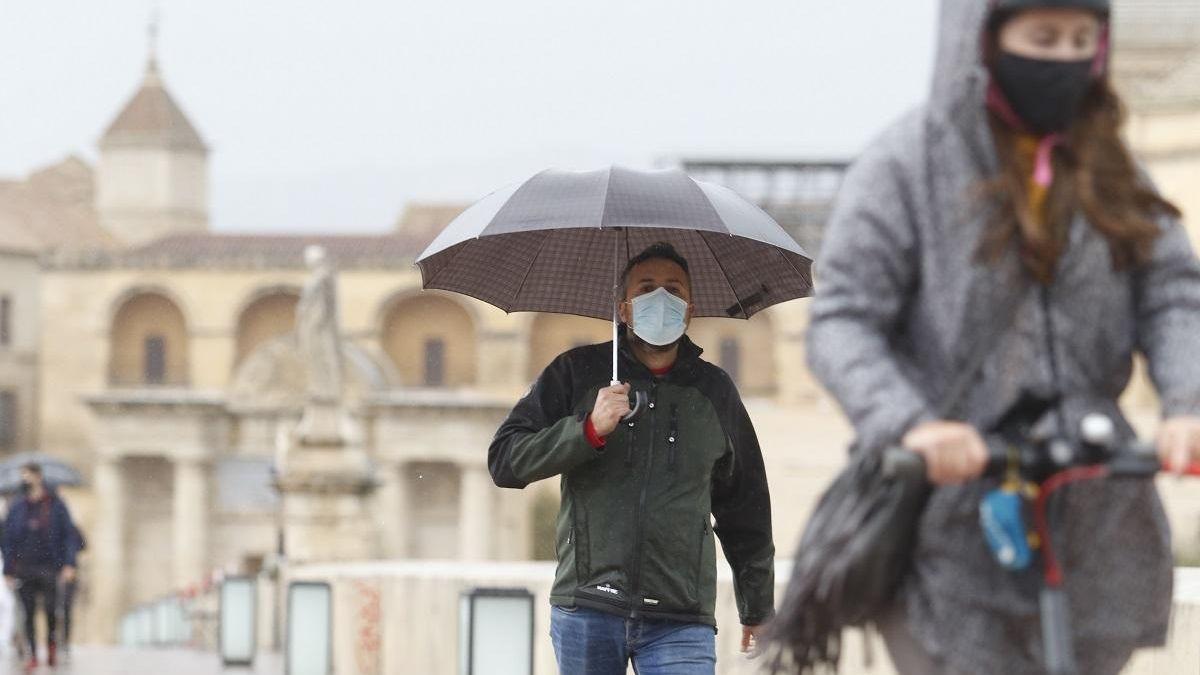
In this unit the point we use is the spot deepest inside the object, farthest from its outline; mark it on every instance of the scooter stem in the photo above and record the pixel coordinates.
(1056, 632)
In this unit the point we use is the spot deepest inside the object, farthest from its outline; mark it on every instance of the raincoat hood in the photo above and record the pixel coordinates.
(959, 95)
(960, 79)
(958, 69)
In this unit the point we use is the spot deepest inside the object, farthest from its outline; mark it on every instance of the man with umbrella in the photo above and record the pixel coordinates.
(39, 549)
(635, 535)
(637, 567)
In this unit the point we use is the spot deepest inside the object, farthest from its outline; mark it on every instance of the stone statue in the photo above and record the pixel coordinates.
(317, 332)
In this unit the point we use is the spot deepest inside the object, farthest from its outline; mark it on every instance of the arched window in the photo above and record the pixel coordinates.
(267, 317)
(149, 343)
(553, 334)
(431, 341)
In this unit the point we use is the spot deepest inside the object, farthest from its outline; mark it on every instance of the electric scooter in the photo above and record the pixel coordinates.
(1046, 465)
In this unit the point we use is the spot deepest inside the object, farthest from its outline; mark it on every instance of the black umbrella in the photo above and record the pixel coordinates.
(557, 243)
(56, 472)
(852, 555)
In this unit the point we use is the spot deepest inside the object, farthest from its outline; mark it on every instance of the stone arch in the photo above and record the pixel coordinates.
(745, 349)
(430, 339)
(148, 341)
(268, 313)
(553, 334)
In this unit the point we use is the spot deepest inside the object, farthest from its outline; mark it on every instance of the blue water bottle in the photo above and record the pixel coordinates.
(1002, 517)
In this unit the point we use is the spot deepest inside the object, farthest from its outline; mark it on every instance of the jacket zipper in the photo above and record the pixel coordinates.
(673, 436)
(1052, 358)
(636, 573)
(632, 443)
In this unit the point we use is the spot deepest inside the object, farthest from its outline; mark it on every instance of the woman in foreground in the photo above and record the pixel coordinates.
(1013, 180)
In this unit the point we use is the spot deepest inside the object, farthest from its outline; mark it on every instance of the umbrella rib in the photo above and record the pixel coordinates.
(724, 274)
(462, 248)
(604, 203)
(528, 270)
(791, 264)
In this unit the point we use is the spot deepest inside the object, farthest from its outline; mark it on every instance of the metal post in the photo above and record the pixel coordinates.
(237, 619)
(496, 632)
(308, 648)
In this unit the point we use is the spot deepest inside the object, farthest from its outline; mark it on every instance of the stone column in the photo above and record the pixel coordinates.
(108, 543)
(475, 516)
(394, 511)
(190, 521)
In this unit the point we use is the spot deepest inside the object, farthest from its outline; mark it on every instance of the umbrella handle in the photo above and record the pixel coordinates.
(639, 402)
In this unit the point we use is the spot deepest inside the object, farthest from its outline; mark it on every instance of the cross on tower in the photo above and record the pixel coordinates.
(152, 34)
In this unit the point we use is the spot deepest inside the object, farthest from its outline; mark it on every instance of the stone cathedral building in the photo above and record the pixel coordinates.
(160, 357)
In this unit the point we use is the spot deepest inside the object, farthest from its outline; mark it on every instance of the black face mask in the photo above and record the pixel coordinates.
(26, 487)
(1046, 95)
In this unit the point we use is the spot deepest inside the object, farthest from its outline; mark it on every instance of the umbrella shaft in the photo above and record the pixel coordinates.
(616, 288)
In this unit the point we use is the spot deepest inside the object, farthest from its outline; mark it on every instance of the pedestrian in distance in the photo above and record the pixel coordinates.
(636, 575)
(8, 610)
(39, 553)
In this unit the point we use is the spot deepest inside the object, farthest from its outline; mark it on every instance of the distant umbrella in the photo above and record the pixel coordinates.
(56, 472)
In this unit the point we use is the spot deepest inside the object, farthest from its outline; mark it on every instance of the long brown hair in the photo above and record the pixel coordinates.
(1094, 173)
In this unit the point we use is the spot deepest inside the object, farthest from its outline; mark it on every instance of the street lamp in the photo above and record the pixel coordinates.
(162, 623)
(179, 630)
(145, 620)
(236, 620)
(495, 635)
(128, 630)
(309, 648)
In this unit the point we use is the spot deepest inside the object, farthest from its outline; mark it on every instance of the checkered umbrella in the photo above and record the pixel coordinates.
(557, 243)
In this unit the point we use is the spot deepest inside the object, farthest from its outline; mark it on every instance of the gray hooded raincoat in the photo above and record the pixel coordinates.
(900, 302)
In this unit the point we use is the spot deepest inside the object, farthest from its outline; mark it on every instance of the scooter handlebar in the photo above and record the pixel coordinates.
(1139, 460)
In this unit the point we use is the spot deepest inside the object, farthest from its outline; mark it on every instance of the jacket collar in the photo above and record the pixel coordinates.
(685, 361)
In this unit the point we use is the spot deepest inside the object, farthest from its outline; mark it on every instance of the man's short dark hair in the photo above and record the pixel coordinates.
(660, 251)
(33, 468)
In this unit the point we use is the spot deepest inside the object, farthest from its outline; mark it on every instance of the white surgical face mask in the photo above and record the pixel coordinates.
(659, 318)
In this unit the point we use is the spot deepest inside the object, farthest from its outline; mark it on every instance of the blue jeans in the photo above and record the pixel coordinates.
(588, 642)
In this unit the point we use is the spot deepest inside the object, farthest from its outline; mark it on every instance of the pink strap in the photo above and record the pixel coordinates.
(998, 104)
(1100, 63)
(1043, 167)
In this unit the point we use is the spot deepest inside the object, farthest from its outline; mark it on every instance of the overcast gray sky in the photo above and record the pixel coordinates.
(329, 116)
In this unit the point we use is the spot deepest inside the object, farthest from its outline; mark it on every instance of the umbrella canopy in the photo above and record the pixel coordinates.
(56, 472)
(556, 243)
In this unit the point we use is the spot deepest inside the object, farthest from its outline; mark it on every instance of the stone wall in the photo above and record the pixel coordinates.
(18, 359)
(1169, 144)
(404, 618)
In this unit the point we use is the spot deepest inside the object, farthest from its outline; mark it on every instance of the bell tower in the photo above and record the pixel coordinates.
(152, 178)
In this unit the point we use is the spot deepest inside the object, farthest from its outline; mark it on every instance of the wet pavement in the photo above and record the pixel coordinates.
(120, 661)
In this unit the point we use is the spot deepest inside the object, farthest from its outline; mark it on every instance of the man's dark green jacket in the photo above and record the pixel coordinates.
(635, 530)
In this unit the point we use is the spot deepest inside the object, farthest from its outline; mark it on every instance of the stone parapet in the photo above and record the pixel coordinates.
(414, 614)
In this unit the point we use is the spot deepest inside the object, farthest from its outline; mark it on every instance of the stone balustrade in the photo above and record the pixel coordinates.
(403, 616)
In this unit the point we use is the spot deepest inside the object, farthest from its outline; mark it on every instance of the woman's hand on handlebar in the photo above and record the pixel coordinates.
(1178, 443)
(954, 452)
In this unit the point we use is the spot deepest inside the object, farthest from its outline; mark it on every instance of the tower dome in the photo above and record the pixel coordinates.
(152, 179)
(152, 119)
